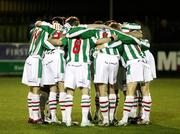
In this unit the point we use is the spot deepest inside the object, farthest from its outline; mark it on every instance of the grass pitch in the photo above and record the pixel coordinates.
(165, 115)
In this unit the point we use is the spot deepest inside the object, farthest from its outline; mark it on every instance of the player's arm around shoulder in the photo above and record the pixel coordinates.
(54, 41)
(106, 39)
(103, 42)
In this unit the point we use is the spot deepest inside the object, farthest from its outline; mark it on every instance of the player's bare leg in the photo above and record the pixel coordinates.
(62, 97)
(117, 103)
(136, 109)
(90, 118)
(97, 116)
(104, 104)
(36, 105)
(131, 87)
(69, 105)
(85, 105)
(112, 103)
(29, 101)
(146, 103)
(53, 103)
(44, 94)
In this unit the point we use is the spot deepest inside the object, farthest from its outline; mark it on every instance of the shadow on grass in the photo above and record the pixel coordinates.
(20, 127)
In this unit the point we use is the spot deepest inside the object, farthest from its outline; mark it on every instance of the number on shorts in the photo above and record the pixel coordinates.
(77, 46)
(128, 69)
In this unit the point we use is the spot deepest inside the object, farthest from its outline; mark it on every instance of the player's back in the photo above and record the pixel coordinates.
(38, 42)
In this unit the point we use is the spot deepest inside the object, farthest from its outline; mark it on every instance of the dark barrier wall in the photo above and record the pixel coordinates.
(167, 57)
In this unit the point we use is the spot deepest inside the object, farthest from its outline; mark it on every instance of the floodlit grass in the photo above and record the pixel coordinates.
(165, 116)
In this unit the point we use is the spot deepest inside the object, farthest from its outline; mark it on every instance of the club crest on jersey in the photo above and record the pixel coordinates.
(57, 35)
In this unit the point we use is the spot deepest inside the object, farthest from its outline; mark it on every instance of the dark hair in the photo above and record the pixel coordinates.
(98, 22)
(108, 22)
(115, 25)
(73, 21)
(58, 19)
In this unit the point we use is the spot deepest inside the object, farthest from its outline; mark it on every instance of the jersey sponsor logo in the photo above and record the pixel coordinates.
(57, 35)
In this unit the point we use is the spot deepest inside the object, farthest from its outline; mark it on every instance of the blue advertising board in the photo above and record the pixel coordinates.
(12, 57)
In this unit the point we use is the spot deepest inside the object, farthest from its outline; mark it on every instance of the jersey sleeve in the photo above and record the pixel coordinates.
(31, 33)
(120, 49)
(46, 43)
(145, 45)
(83, 25)
(93, 41)
(126, 39)
(81, 32)
(113, 44)
(48, 27)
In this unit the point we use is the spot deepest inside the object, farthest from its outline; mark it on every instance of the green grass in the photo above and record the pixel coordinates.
(165, 115)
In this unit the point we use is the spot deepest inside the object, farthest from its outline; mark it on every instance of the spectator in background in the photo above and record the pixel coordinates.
(164, 32)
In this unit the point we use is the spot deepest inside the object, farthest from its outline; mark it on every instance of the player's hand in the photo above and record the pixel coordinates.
(114, 37)
(38, 23)
(99, 47)
(57, 26)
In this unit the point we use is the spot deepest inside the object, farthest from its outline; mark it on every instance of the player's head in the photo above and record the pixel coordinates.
(64, 19)
(132, 29)
(115, 25)
(57, 22)
(98, 22)
(73, 21)
(108, 22)
(129, 27)
(57, 19)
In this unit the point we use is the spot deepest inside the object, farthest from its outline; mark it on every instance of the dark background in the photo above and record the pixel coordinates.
(161, 18)
(160, 21)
